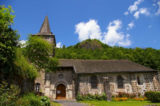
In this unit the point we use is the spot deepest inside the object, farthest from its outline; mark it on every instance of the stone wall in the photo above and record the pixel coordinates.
(81, 83)
(148, 82)
(49, 82)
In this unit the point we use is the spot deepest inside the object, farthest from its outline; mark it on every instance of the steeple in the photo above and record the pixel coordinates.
(46, 33)
(45, 28)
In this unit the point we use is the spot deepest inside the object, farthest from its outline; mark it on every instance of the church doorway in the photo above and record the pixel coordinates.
(61, 92)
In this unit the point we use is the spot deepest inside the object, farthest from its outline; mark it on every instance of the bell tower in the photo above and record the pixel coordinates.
(46, 33)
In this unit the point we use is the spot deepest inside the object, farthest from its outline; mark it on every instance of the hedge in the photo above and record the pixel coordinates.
(153, 96)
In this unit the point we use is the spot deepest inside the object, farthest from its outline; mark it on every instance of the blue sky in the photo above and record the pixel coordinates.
(126, 23)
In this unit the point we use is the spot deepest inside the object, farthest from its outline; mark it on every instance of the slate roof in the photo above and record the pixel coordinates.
(103, 66)
(45, 28)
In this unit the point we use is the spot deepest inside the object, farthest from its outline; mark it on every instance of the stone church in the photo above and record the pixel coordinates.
(77, 76)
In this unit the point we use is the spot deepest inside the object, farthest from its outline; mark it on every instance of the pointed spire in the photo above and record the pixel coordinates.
(45, 28)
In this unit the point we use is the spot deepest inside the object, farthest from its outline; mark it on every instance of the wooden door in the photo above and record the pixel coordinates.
(61, 92)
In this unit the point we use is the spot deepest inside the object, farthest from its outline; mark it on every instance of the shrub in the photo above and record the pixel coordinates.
(123, 94)
(29, 100)
(153, 96)
(139, 99)
(91, 97)
(8, 94)
(120, 98)
(45, 101)
(33, 100)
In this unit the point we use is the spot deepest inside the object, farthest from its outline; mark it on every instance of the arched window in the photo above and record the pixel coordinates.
(120, 81)
(37, 87)
(139, 81)
(94, 82)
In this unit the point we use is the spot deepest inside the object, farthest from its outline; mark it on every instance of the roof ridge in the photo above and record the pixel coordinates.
(97, 59)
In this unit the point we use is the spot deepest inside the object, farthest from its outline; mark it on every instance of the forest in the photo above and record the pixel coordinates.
(94, 49)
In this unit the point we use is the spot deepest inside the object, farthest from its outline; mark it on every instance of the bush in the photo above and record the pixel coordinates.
(8, 94)
(45, 101)
(33, 100)
(91, 97)
(120, 98)
(123, 94)
(139, 99)
(153, 96)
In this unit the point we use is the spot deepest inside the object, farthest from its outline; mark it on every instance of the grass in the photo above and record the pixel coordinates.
(120, 103)
(55, 104)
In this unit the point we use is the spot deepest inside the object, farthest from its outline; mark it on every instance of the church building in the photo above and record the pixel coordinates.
(78, 76)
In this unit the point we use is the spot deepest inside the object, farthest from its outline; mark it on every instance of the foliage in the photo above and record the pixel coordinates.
(91, 97)
(22, 66)
(147, 56)
(8, 39)
(139, 99)
(128, 95)
(39, 52)
(120, 98)
(33, 100)
(90, 44)
(153, 96)
(45, 101)
(8, 94)
(52, 63)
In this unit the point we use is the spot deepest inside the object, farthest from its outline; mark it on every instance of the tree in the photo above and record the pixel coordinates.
(23, 69)
(148, 57)
(39, 52)
(8, 39)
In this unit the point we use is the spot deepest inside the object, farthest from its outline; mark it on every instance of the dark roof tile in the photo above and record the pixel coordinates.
(103, 66)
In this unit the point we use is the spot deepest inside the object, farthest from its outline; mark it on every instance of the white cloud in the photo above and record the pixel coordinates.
(88, 30)
(126, 41)
(59, 45)
(130, 25)
(143, 11)
(158, 11)
(111, 37)
(22, 43)
(126, 13)
(114, 37)
(134, 7)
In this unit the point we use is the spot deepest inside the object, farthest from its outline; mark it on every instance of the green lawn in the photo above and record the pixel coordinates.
(120, 103)
(55, 104)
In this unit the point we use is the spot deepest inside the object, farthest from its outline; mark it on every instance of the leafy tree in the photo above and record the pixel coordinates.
(8, 39)
(8, 94)
(93, 49)
(23, 68)
(39, 52)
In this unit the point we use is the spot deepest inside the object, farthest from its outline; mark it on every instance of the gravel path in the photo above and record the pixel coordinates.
(70, 103)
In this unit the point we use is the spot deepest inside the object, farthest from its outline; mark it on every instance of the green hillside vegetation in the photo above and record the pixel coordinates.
(94, 49)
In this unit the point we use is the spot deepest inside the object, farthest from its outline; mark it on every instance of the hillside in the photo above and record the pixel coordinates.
(94, 49)
(91, 44)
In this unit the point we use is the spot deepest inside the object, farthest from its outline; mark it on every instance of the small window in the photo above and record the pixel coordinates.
(94, 82)
(37, 87)
(139, 81)
(120, 81)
